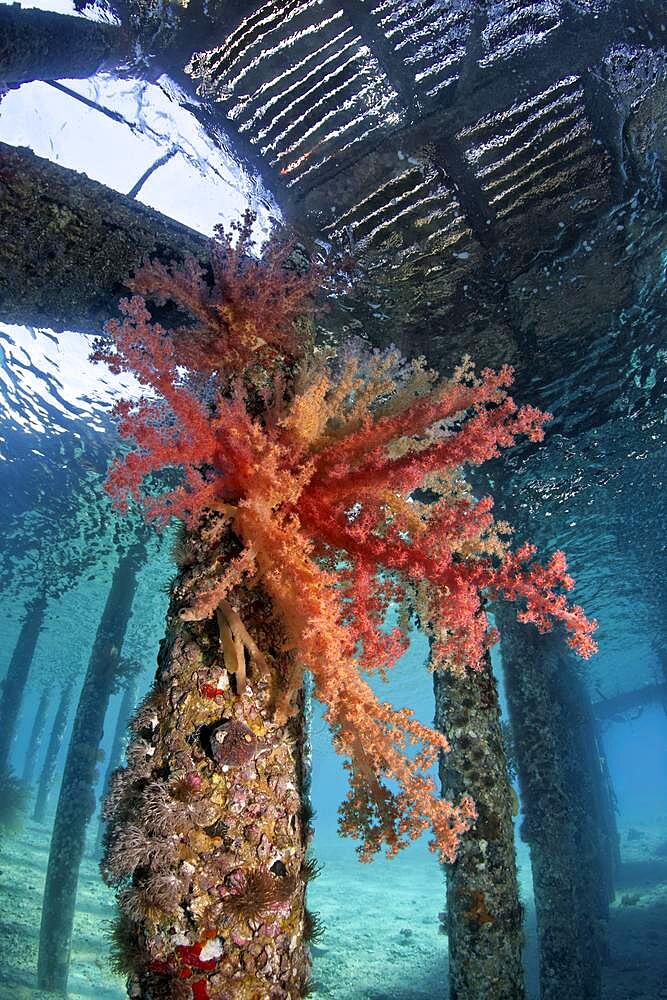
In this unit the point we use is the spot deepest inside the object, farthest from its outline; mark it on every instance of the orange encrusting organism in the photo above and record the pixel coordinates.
(318, 483)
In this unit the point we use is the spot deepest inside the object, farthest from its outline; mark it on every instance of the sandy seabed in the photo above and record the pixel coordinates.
(382, 938)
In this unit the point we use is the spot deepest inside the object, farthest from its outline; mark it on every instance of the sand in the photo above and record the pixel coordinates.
(23, 861)
(382, 939)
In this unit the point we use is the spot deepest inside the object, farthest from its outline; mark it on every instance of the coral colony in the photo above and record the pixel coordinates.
(339, 478)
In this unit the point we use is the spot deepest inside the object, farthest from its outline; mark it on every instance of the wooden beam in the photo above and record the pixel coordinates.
(67, 244)
(41, 45)
(628, 701)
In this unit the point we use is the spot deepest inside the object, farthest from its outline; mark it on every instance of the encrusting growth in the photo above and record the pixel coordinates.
(339, 478)
(206, 839)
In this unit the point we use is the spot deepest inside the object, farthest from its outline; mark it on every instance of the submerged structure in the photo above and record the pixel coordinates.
(487, 168)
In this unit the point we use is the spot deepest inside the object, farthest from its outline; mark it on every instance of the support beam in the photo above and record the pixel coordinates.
(67, 244)
(41, 45)
(630, 701)
(572, 849)
(484, 915)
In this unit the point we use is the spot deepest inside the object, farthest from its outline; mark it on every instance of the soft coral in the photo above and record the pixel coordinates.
(319, 484)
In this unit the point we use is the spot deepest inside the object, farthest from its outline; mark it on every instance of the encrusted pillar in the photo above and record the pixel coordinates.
(559, 787)
(209, 821)
(484, 916)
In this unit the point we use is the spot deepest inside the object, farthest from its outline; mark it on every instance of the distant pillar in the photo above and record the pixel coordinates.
(484, 916)
(598, 799)
(53, 749)
(15, 680)
(561, 780)
(76, 802)
(120, 737)
(32, 749)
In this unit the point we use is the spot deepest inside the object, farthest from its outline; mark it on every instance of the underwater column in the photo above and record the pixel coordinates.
(484, 916)
(599, 839)
(570, 877)
(48, 772)
(125, 711)
(17, 675)
(36, 733)
(208, 823)
(76, 802)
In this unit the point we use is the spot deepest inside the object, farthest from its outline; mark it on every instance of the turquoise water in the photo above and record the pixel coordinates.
(383, 936)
